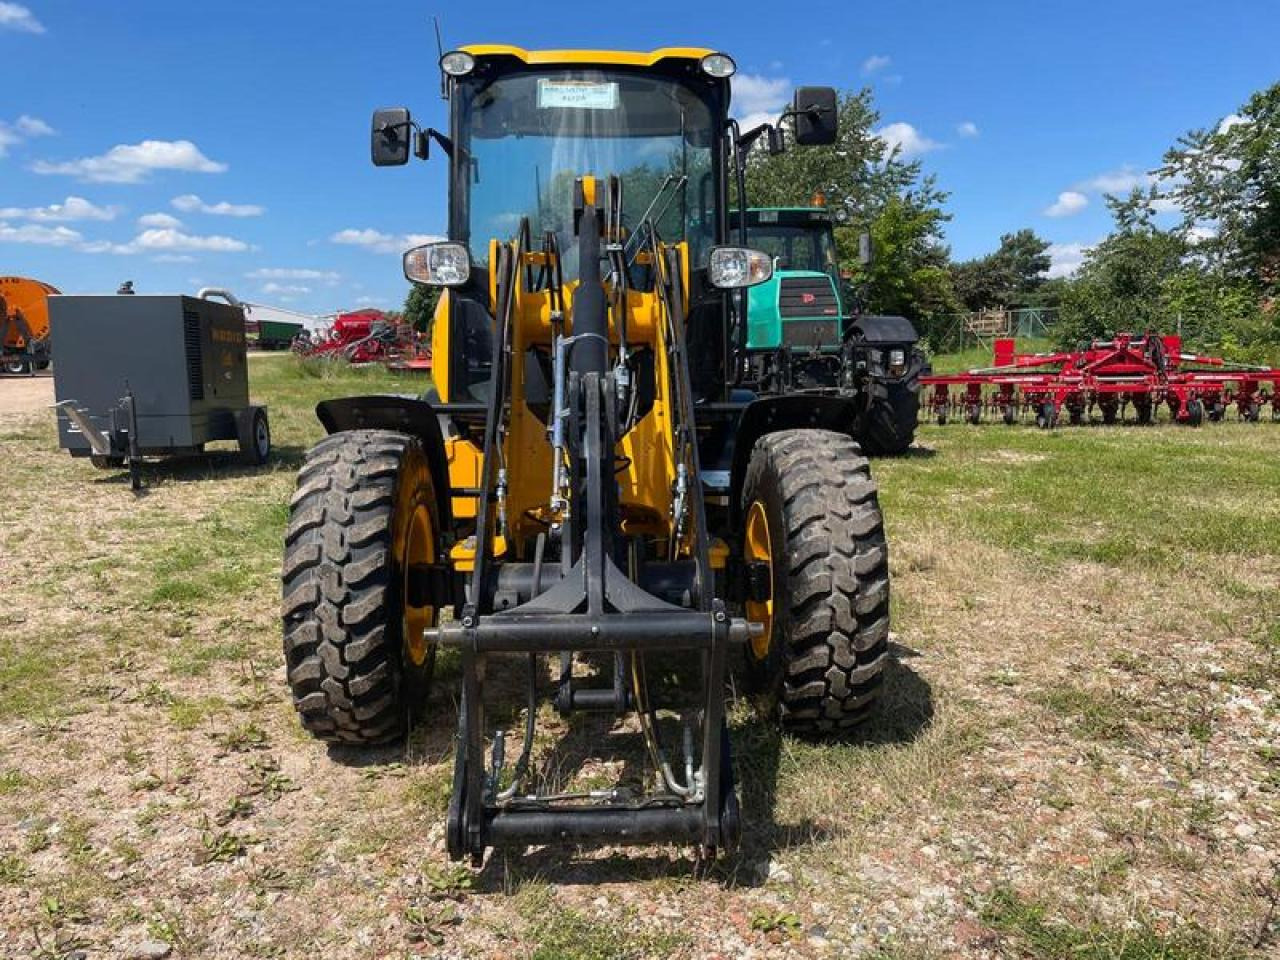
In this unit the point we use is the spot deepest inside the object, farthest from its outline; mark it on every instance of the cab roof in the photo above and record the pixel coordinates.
(625, 58)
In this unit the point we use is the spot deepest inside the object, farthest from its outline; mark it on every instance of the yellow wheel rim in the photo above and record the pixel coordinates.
(417, 546)
(759, 549)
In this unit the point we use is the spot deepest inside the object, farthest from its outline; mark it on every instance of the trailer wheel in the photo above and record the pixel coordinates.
(1047, 416)
(17, 365)
(814, 533)
(1007, 414)
(355, 643)
(254, 436)
(103, 462)
(1195, 412)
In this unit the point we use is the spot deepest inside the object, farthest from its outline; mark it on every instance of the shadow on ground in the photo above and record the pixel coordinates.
(758, 750)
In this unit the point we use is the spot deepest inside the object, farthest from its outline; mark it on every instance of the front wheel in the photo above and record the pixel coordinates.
(355, 626)
(817, 559)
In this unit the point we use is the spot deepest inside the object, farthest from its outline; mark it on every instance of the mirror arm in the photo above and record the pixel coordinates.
(423, 138)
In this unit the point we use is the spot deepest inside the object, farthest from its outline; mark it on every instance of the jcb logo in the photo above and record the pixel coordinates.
(227, 336)
(808, 299)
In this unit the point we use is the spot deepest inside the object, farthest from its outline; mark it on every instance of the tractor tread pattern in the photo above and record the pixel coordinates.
(837, 581)
(888, 426)
(343, 664)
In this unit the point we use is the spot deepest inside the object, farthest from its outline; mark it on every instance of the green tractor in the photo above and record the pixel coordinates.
(802, 336)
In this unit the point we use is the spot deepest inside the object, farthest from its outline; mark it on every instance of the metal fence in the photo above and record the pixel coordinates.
(962, 331)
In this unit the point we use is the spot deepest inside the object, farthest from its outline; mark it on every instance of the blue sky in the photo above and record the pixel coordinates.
(225, 143)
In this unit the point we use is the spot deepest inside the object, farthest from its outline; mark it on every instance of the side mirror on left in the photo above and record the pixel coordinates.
(391, 137)
(816, 115)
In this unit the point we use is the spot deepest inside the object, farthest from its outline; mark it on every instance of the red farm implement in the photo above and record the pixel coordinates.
(369, 336)
(1143, 372)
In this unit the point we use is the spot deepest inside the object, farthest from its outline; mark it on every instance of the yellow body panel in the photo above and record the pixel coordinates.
(646, 454)
(624, 58)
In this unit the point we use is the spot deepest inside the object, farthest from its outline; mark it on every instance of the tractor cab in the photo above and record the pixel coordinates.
(799, 306)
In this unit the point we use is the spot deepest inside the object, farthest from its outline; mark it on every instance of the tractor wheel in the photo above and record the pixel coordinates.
(254, 436)
(355, 643)
(814, 538)
(888, 427)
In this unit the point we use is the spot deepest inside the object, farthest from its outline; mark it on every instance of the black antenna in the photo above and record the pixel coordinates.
(444, 81)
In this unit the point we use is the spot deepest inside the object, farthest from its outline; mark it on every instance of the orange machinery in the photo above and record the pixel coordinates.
(24, 324)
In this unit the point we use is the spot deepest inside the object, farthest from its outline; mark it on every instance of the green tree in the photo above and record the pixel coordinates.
(1226, 180)
(420, 307)
(1012, 276)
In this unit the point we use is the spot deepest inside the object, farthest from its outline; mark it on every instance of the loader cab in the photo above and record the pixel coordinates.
(526, 126)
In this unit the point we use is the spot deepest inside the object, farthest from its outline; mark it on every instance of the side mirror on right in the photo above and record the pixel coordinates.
(815, 112)
(866, 253)
(390, 137)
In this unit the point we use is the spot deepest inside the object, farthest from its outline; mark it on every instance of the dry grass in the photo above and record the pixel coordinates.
(1080, 753)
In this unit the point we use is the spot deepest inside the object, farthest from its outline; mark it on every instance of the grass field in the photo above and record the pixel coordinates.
(1079, 754)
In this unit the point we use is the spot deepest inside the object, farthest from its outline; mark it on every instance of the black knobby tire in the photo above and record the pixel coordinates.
(350, 674)
(888, 426)
(1195, 412)
(830, 580)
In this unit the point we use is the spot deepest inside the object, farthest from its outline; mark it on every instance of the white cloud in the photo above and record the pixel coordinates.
(1066, 258)
(173, 239)
(1116, 181)
(379, 242)
(967, 129)
(874, 63)
(71, 209)
(1069, 202)
(190, 203)
(30, 126)
(14, 16)
(22, 129)
(162, 221)
(285, 288)
(293, 273)
(1201, 232)
(134, 163)
(39, 235)
(906, 139)
(1165, 204)
(758, 99)
(173, 258)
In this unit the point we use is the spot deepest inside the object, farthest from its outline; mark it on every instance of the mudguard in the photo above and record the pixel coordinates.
(403, 414)
(813, 411)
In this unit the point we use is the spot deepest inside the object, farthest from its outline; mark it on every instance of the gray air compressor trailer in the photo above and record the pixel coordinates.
(144, 376)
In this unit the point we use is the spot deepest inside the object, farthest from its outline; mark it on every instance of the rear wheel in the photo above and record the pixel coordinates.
(355, 644)
(254, 436)
(814, 538)
(16, 365)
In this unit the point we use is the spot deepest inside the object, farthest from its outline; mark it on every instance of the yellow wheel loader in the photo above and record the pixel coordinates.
(585, 505)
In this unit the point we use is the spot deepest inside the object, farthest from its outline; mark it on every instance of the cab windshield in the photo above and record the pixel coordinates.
(527, 136)
(796, 247)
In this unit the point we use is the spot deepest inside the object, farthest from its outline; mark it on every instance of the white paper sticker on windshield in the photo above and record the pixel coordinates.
(582, 94)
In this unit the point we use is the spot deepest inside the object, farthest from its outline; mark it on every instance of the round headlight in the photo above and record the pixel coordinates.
(719, 65)
(457, 63)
